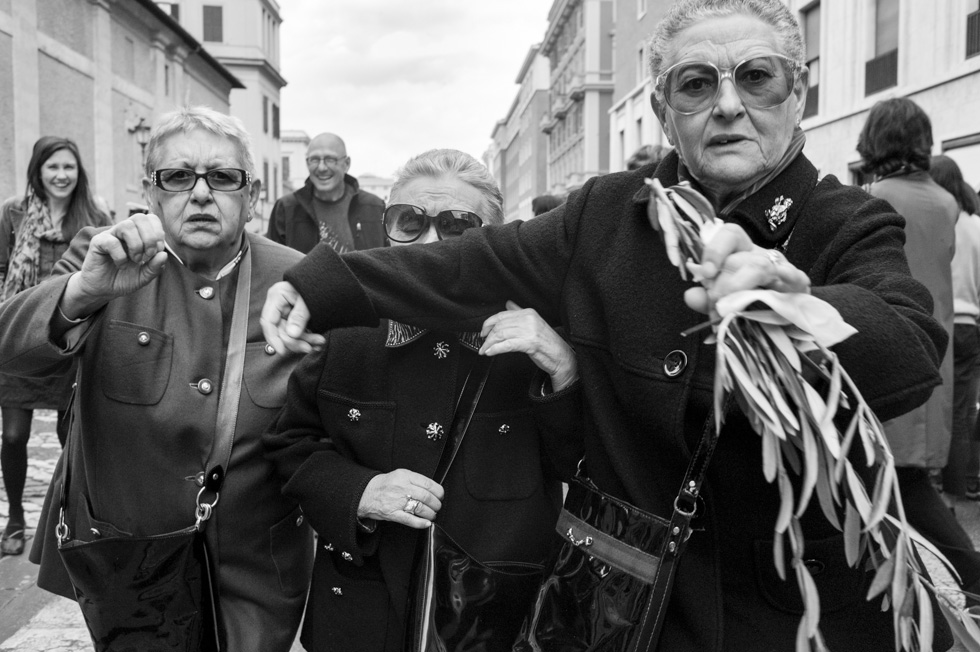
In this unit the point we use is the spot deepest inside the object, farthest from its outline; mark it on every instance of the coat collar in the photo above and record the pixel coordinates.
(402, 334)
(769, 215)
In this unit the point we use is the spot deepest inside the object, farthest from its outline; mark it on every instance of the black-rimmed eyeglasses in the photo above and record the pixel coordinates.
(407, 223)
(761, 82)
(220, 179)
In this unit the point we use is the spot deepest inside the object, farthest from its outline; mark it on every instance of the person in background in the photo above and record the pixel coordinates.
(146, 309)
(597, 266)
(544, 203)
(646, 155)
(362, 432)
(960, 476)
(330, 207)
(35, 229)
(895, 143)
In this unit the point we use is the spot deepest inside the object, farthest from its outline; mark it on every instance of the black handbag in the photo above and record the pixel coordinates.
(459, 603)
(610, 584)
(149, 593)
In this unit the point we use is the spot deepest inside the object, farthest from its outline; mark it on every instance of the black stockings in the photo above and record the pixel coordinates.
(13, 454)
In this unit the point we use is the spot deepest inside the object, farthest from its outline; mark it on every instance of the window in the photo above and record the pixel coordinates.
(882, 71)
(265, 114)
(166, 79)
(213, 28)
(275, 182)
(640, 71)
(641, 8)
(265, 179)
(275, 121)
(285, 168)
(973, 28)
(811, 32)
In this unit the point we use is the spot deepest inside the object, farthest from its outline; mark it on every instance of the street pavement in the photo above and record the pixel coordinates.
(33, 620)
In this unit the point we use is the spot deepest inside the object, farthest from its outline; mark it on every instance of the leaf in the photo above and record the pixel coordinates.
(812, 460)
(926, 628)
(824, 496)
(816, 317)
(882, 495)
(802, 641)
(852, 534)
(811, 599)
(858, 495)
(779, 555)
(785, 502)
(829, 433)
(969, 640)
(782, 342)
(883, 578)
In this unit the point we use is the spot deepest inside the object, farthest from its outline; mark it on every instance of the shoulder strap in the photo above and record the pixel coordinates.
(469, 398)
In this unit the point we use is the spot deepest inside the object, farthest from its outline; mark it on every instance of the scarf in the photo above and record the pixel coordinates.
(25, 257)
(796, 143)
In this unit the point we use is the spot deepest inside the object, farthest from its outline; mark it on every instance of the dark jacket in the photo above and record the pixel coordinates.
(596, 265)
(144, 426)
(358, 409)
(293, 220)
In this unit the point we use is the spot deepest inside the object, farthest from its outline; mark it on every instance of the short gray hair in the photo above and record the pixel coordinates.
(189, 118)
(684, 13)
(438, 162)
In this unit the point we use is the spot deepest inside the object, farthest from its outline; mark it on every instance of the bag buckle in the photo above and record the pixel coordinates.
(61, 530)
(204, 509)
(584, 541)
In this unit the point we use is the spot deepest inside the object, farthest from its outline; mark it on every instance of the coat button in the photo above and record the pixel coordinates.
(299, 520)
(354, 414)
(269, 349)
(434, 431)
(337, 590)
(347, 556)
(199, 479)
(143, 338)
(206, 292)
(674, 363)
(204, 386)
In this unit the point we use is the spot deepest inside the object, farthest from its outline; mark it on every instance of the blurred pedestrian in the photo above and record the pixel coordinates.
(646, 155)
(960, 476)
(544, 203)
(330, 207)
(156, 312)
(895, 143)
(35, 229)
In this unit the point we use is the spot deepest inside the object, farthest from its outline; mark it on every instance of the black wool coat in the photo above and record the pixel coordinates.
(596, 266)
(360, 408)
(293, 220)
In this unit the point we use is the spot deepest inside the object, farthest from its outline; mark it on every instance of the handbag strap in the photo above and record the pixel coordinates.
(227, 419)
(469, 398)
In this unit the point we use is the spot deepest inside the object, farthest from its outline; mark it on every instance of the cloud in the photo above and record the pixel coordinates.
(397, 77)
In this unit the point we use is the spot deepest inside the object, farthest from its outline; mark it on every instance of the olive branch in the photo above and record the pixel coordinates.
(773, 353)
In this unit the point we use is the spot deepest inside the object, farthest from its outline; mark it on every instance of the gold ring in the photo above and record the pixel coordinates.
(412, 505)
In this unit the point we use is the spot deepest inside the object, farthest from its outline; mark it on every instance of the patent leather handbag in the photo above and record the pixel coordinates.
(459, 603)
(159, 593)
(609, 587)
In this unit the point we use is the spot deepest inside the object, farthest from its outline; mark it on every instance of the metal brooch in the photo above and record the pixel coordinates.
(441, 350)
(434, 431)
(354, 414)
(777, 214)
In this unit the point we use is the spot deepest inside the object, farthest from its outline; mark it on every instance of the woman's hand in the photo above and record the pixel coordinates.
(119, 261)
(401, 496)
(523, 331)
(731, 262)
(284, 319)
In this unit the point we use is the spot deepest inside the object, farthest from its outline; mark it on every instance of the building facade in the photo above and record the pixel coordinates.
(244, 36)
(98, 72)
(518, 156)
(632, 122)
(860, 52)
(578, 45)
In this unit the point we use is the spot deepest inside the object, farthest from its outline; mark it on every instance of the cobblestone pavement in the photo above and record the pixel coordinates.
(33, 620)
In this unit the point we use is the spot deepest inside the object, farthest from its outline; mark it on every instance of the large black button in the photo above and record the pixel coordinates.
(675, 363)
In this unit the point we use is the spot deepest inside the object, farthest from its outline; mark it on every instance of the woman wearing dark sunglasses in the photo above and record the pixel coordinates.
(367, 418)
(730, 90)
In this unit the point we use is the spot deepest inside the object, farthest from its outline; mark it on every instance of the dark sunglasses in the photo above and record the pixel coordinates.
(407, 223)
(762, 82)
(181, 180)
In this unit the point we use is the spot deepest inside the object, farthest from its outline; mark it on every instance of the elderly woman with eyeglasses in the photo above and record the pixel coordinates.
(730, 90)
(161, 313)
(367, 418)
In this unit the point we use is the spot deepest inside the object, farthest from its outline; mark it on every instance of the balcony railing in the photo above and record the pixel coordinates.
(881, 72)
(973, 34)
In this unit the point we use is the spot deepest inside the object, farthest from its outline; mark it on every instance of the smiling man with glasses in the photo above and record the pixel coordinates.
(330, 207)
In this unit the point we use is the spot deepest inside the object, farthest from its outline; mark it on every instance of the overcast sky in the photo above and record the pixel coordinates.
(394, 78)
